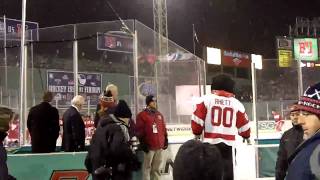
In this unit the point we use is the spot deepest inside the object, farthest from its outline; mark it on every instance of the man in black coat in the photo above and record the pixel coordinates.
(110, 147)
(43, 125)
(73, 127)
(288, 144)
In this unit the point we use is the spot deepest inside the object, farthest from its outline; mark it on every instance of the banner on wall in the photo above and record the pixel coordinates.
(306, 49)
(13, 29)
(285, 57)
(61, 84)
(116, 41)
(235, 59)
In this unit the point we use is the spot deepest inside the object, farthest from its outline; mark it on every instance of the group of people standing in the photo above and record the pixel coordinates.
(217, 119)
(112, 150)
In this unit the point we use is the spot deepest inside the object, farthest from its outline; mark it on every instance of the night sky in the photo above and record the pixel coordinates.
(244, 25)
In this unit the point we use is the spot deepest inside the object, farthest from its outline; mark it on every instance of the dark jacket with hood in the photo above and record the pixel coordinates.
(110, 147)
(289, 141)
(305, 161)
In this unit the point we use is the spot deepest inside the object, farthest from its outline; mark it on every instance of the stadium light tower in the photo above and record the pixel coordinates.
(160, 26)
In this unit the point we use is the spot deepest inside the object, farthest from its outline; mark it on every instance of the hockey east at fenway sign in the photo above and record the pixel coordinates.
(61, 84)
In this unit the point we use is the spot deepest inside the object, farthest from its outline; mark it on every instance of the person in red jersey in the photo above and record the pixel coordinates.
(220, 117)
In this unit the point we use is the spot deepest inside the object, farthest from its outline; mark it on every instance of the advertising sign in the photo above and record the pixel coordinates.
(13, 29)
(285, 58)
(116, 41)
(61, 84)
(306, 49)
(235, 59)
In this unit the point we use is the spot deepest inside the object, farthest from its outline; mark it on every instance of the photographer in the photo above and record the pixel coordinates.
(110, 155)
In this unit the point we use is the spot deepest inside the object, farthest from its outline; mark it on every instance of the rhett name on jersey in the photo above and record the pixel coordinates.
(224, 102)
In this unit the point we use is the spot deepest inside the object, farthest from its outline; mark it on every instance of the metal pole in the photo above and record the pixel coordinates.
(135, 70)
(194, 44)
(300, 85)
(268, 116)
(75, 61)
(5, 53)
(22, 76)
(88, 100)
(254, 103)
(32, 71)
(25, 97)
(1, 95)
(204, 77)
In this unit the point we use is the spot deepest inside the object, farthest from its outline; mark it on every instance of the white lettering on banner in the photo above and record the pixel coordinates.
(92, 89)
(70, 89)
(235, 54)
(57, 88)
(81, 89)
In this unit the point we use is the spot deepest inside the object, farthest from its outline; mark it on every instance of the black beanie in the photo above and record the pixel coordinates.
(310, 100)
(122, 110)
(196, 160)
(149, 99)
(223, 82)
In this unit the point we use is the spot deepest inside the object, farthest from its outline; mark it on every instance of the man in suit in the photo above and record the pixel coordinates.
(73, 127)
(43, 125)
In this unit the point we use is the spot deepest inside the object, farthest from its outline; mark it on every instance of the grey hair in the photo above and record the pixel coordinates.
(77, 100)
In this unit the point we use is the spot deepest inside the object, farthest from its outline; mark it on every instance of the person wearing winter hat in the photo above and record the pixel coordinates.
(196, 160)
(305, 161)
(152, 133)
(110, 154)
(107, 105)
(220, 117)
(288, 143)
(6, 115)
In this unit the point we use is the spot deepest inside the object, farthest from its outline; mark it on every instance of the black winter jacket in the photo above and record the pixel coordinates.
(110, 147)
(288, 144)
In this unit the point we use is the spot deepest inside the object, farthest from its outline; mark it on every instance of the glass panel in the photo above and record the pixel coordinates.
(174, 75)
(105, 56)
(277, 88)
(10, 85)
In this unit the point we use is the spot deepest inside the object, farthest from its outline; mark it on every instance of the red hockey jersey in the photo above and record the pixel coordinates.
(221, 116)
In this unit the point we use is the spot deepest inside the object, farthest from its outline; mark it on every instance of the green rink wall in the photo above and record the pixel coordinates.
(26, 166)
(50, 165)
(267, 157)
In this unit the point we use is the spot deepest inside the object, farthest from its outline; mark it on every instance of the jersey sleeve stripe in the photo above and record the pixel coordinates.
(197, 120)
(244, 128)
(196, 128)
(201, 111)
